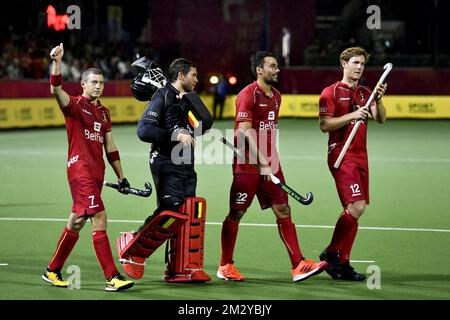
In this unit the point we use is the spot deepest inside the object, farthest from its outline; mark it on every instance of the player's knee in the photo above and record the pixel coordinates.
(76, 225)
(281, 210)
(99, 221)
(357, 209)
(236, 215)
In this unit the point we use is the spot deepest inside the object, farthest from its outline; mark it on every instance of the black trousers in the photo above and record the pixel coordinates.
(173, 183)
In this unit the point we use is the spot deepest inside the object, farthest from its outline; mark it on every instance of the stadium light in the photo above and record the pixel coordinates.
(214, 80)
(232, 80)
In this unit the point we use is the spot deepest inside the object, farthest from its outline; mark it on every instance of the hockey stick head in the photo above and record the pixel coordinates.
(308, 200)
(137, 192)
(144, 193)
(387, 68)
(294, 194)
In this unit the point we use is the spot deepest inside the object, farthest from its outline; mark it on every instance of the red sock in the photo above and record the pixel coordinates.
(64, 246)
(344, 226)
(104, 254)
(289, 236)
(229, 235)
(348, 244)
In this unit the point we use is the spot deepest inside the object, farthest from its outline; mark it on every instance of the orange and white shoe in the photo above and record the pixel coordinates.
(229, 272)
(307, 268)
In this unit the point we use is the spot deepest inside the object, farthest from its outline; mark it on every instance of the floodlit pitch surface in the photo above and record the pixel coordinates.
(404, 234)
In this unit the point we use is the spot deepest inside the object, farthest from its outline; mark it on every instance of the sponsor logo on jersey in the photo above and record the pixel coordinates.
(93, 136)
(344, 98)
(97, 126)
(269, 125)
(72, 160)
(153, 114)
(86, 111)
(262, 105)
(271, 115)
(242, 114)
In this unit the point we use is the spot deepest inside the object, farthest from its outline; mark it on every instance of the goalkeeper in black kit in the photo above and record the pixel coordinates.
(170, 123)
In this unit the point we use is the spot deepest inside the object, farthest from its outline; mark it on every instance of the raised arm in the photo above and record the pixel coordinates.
(60, 95)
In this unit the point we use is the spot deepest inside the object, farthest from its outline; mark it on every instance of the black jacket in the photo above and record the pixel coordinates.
(164, 117)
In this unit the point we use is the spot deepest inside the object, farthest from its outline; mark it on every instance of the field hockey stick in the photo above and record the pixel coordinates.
(387, 68)
(137, 192)
(305, 201)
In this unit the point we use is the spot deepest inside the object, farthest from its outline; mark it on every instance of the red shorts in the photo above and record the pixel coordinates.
(246, 185)
(86, 196)
(352, 182)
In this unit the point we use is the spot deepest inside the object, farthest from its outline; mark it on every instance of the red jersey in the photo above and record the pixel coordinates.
(255, 105)
(336, 101)
(86, 125)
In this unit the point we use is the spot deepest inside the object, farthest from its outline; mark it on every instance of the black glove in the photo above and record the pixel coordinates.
(122, 185)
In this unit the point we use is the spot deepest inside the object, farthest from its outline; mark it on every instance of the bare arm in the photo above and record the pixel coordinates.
(379, 111)
(110, 146)
(245, 128)
(328, 123)
(60, 95)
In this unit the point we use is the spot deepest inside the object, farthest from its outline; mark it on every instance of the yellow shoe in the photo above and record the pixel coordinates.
(54, 277)
(118, 283)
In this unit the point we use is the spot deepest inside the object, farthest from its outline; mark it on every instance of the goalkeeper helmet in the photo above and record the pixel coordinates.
(148, 78)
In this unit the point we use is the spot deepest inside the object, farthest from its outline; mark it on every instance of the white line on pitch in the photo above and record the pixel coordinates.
(362, 261)
(246, 224)
(3, 264)
(53, 152)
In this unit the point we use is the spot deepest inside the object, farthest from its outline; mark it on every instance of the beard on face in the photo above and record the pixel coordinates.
(187, 87)
(270, 80)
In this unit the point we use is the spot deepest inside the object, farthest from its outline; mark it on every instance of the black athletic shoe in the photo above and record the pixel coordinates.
(333, 263)
(348, 273)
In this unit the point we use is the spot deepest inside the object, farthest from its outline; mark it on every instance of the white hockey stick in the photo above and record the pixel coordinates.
(387, 68)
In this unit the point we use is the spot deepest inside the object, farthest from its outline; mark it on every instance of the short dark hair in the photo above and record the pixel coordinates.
(89, 71)
(257, 60)
(179, 65)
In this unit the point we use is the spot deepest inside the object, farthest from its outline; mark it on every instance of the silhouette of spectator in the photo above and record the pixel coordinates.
(220, 94)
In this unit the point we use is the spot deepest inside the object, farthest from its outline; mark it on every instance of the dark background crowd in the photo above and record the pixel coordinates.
(219, 35)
